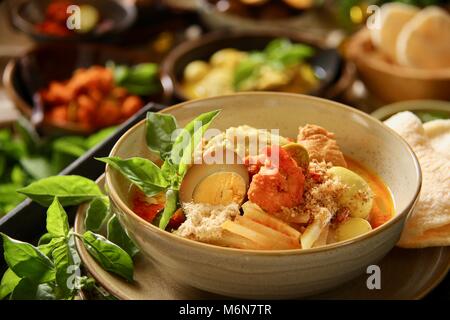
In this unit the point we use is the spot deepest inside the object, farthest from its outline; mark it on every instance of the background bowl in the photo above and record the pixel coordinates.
(117, 16)
(390, 82)
(327, 60)
(277, 16)
(439, 108)
(285, 273)
(27, 74)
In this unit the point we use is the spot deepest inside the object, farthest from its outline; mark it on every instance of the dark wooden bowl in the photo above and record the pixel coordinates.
(118, 16)
(328, 60)
(34, 70)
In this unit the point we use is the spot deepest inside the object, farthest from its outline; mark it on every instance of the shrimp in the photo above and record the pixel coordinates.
(275, 186)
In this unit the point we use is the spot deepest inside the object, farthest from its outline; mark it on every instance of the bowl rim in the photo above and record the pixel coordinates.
(355, 53)
(169, 78)
(117, 200)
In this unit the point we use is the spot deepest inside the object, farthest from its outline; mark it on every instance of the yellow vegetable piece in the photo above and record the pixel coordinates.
(358, 196)
(195, 71)
(352, 228)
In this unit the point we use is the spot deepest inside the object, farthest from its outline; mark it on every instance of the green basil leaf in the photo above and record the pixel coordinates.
(57, 222)
(99, 136)
(141, 172)
(72, 145)
(185, 144)
(18, 176)
(27, 261)
(70, 190)
(2, 165)
(169, 208)
(143, 73)
(97, 213)
(37, 167)
(9, 281)
(45, 239)
(109, 255)
(160, 128)
(48, 248)
(67, 264)
(247, 69)
(118, 235)
(9, 195)
(27, 133)
(29, 290)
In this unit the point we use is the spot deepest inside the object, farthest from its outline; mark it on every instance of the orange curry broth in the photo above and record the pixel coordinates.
(383, 205)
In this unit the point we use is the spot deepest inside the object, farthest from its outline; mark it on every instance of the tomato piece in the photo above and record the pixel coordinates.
(145, 210)
(177, 219)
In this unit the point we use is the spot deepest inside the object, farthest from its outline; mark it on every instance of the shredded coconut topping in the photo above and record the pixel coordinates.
(321, 193)
(203, 221)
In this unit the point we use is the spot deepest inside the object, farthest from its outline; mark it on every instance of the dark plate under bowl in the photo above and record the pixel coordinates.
(116, 15)
(27, 74)
(327, 62)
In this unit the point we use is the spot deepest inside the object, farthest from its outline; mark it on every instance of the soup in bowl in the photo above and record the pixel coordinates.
(323, 194)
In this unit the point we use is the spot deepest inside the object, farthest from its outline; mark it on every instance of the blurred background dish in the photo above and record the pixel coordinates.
(325, 64)
(391, 82)
(45, 20)
(426, 110)
(47, 68)
(313, 17)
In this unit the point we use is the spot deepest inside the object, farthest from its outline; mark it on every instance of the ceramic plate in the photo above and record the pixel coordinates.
(405, 274)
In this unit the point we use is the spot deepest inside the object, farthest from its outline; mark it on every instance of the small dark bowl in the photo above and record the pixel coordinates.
(117, 16)
(24, 76)
(328, 61)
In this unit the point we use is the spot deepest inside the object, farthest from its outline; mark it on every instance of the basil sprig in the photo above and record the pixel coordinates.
(175, 147)
(52, 269)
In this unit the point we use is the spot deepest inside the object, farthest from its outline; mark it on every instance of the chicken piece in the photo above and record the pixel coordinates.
(321, 145)
(276, 186)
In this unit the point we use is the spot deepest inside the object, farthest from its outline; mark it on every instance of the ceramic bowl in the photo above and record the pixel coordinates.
(283, 273)
(390, 82)
(117, 16)
(436, 108)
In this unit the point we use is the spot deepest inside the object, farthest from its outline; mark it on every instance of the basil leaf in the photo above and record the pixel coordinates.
(247, 69)
(96, 214)
(8, 194)
(72, 145)
(109, 255)
(37, 167)
(57, 224)
(45, 239)
(67, 264)
(8, 283)
(27, 261)
(159, 132)
(99, 136)
(70, 190)
(48, 248)
(119, 236)
(182, 150)
(2, 164)
(18, 176)
(29, 290)
(141, 172)
(27, 132)
(169, 208)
